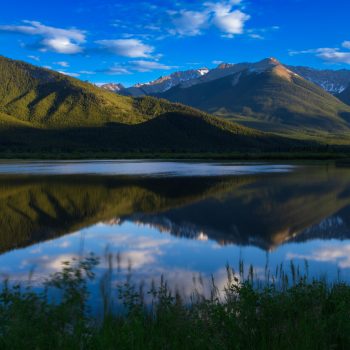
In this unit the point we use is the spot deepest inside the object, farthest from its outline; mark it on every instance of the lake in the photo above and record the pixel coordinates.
(183, 220)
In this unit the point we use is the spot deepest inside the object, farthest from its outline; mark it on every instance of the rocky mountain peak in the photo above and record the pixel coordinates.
(114, 87)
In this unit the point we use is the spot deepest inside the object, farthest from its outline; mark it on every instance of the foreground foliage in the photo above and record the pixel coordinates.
(294, 314)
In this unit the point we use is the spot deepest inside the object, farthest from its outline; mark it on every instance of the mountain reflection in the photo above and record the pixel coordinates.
(264, 210)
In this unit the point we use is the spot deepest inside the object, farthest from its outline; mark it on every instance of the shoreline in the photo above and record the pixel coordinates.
(331, 156)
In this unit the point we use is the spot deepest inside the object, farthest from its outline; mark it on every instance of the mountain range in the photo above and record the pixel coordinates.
(259, 107)
(333, 81)
(300, 102)
(45, 111)
(159, 85)
(267, 96)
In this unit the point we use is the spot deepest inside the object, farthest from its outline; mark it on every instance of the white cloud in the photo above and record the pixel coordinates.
(256, 36)
(89, 72)
(346, 44)
(336, 253)
(133, 48)
(137, 66)
(224, 15)
(57, 263)
(147, 66)
(65, 41)
(60, 45)
(117, 70)
(34, 58)
(189, 23)
(62, 64)
(229, 21)
(64, 244)
(69, 74)
(334, 55)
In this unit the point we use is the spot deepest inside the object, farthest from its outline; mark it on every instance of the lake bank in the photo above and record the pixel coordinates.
(76, 155)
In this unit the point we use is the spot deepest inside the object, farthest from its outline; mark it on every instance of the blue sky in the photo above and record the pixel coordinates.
(131, 41)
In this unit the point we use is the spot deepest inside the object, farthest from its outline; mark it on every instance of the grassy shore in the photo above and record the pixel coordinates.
(76, 155)
(288, 311)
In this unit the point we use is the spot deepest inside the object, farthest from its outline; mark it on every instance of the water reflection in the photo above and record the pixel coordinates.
(179, 226)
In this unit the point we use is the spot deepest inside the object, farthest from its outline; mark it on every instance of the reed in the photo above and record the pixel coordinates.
(285, 309)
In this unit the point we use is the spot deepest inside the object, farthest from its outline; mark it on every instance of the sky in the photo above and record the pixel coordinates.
(135, 41)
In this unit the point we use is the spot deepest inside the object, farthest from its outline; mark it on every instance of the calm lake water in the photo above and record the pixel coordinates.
(183, 220)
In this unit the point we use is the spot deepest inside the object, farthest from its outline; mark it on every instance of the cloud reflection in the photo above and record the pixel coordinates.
(338, 253)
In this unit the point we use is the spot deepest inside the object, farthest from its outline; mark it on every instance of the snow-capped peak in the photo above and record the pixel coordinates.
(167, 82)
(114, 87)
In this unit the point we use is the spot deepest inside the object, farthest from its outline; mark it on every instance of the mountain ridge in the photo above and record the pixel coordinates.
(164, 83)
(267, 96)
(42, 110)
(332, 81)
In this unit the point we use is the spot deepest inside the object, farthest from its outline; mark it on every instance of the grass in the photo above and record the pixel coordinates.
(286, 311)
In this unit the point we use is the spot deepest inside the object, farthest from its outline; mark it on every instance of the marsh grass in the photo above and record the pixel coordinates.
(283, 310)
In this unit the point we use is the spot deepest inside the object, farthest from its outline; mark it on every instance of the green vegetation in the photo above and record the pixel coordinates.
(45, 98)
(168, 133)
(287, 311)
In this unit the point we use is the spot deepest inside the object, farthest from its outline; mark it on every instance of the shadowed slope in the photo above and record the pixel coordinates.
(345, 96)
(169, 132)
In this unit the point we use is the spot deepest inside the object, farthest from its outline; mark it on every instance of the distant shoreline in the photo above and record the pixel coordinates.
(344, 157)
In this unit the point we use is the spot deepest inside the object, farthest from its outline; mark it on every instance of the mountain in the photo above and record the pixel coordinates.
(46, 98)
(112, 87)
(268, 96)
(333, 81)
(226, 69)
(345, 96)
(45, 111)
(165, 83)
